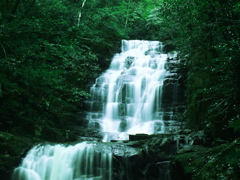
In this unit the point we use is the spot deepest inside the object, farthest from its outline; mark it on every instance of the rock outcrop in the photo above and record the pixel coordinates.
(173, 100)
(153, 155)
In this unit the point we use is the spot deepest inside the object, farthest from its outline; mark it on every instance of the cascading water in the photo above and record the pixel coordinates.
(127, 97)
(84, 161)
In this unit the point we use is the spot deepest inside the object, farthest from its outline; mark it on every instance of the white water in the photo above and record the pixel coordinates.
(83, 161)
(127, 97)
(126, 100)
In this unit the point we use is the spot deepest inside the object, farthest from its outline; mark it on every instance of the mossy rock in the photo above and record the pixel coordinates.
(221, 162)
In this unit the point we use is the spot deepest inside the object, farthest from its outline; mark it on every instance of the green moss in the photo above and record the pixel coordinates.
(221, 162)
(224, 165)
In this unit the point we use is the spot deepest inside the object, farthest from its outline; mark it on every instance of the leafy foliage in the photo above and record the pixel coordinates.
(50, 52)
(48, 59)
(207, 37)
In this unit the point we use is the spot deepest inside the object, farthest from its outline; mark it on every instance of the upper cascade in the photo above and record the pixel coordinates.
(127, 98)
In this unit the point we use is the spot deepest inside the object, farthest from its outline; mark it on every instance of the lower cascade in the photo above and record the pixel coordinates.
(83, 161)
(138, 94)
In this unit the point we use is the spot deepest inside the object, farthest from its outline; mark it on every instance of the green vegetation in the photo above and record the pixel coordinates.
(51, 50)
(206, 34)
(13, 148)
(220, 162)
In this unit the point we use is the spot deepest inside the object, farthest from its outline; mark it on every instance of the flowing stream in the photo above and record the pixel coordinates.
(127, 99)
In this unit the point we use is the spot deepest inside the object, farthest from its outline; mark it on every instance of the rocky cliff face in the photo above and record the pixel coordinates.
(173, 100)
(148, 163)
(149, 156)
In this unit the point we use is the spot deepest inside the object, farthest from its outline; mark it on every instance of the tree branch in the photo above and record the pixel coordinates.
(80, 13)
(4, 51)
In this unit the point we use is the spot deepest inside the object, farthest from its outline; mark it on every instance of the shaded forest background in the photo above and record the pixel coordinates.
(51, 50)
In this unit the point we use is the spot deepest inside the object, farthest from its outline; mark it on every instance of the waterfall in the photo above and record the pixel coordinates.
(84, 161)
(127, 97)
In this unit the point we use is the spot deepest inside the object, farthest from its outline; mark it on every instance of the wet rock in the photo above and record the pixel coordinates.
(186, 131)
(156, 171)
(137, 137)
(128, 61)
(93, 139)
(146, 157)
(151, 160)
(191, 148)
